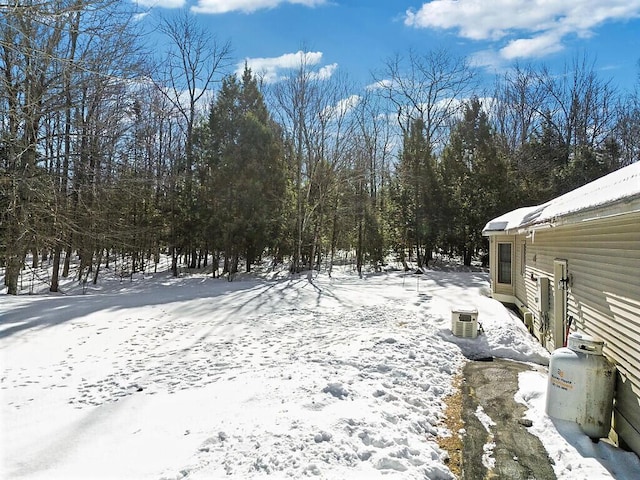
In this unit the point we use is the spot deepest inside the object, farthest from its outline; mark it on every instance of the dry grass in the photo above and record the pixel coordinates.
(454, 423)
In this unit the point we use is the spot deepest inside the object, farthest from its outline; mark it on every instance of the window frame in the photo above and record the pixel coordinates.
(502, 264)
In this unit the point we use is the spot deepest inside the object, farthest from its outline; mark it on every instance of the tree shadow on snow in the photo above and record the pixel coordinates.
(238, 298)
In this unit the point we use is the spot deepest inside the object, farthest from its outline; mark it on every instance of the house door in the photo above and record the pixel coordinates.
(560, 285)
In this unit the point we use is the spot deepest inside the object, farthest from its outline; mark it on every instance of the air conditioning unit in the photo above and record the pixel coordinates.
(464, 322)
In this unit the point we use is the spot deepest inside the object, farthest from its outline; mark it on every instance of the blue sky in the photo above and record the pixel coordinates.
(354, 37)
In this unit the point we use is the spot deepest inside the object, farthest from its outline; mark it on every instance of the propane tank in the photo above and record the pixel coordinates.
(581, 385)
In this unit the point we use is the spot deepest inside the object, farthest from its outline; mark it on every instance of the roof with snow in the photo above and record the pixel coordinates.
(617, 188)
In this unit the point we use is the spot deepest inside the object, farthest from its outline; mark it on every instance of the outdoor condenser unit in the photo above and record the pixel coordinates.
(464, 322)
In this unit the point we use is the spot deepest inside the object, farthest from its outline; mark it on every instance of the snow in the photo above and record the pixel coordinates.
(573, 453)
(200, 378)
(620, 185)
(509, 220)
(487, 422)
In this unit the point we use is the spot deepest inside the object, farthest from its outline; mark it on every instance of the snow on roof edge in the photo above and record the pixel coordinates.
(509, 220)
(615, 187)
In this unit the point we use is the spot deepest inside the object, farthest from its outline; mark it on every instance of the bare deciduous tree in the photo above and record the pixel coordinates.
(581, 105)
(519, 100)
(429, 87)
(195, 60)
(314, 111)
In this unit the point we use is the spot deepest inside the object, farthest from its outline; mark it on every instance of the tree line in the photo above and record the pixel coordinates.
(109, 152)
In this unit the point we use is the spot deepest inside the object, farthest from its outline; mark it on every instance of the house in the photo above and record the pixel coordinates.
(573, 264)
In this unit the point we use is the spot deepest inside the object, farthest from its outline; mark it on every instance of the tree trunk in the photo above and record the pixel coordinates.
(234, 266)
(12, 273)
(194, 259)
(174, 262)
(334, 239)
(156, 258)
(359, 253)
(312, 255)
(98, 261)
(467, 255)
(67, 262)
(56, 269)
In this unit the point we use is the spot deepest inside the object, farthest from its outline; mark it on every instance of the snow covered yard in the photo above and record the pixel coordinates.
(163, 378)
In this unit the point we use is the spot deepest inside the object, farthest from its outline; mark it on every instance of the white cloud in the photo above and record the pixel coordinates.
(532, 28)
(274, 69)
(161, 3)
(140, 16)
(246, 6)
(343, 107)
(489, 59)
(325, 73)
(532, 47)
(379, 85)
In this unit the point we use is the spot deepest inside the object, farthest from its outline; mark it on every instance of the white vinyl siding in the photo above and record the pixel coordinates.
(603, 258)
(521, 260)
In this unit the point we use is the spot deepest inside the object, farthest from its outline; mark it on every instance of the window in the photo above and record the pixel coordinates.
(504, 263)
